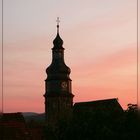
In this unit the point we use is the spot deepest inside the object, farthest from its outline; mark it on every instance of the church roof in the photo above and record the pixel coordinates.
(106, 104)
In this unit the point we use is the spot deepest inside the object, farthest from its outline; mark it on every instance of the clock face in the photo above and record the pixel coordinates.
(64, 85)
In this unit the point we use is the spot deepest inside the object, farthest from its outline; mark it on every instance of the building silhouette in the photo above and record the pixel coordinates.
(109, 107)
(58, 95)
(12, 127)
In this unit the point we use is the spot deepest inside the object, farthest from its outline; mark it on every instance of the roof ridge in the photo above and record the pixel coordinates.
(97, 100)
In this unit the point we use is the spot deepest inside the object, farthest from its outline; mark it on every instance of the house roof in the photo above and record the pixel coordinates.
(18, 117)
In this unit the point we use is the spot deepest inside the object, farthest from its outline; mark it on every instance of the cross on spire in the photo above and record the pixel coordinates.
(58, 21)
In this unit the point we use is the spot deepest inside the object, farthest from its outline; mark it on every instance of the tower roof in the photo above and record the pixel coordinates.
(58, 42)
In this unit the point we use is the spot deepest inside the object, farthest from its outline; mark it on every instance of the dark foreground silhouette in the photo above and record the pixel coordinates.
(97, 125)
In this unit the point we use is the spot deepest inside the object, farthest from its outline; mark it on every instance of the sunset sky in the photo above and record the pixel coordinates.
(100, 48)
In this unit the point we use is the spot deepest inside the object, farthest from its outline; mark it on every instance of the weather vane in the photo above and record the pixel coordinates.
(58, 21)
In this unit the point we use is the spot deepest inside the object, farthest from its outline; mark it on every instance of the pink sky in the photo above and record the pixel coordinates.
(99, 38)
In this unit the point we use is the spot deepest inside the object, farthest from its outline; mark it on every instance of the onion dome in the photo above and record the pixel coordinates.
(57, 42)
(58, 69)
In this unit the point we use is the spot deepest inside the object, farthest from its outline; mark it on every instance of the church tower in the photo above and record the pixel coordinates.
(58, 92)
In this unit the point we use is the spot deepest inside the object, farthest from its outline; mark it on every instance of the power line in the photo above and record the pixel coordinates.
(2, 62)
(137, 54)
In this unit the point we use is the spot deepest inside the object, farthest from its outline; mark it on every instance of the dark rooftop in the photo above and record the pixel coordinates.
(106, 104)
(18, 117)
(97, 102)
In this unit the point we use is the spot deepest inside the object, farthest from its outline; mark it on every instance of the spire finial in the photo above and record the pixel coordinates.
(58, 21)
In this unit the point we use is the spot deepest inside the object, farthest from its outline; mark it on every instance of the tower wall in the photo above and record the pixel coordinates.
(58, 91)
(57, 109)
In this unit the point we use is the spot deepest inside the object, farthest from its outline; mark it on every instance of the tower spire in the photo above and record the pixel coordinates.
(58, 94)
(58, 21)
(58, 42)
